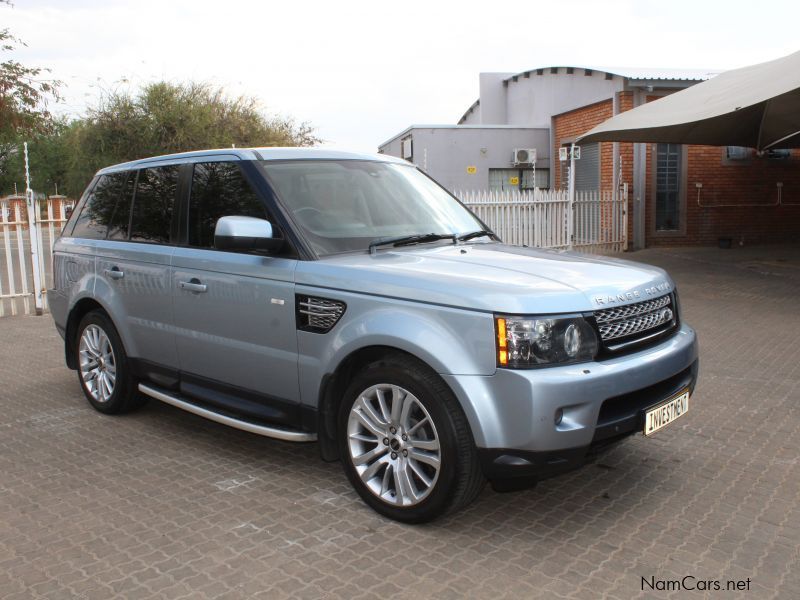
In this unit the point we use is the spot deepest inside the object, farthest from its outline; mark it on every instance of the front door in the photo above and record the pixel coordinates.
(234, 312)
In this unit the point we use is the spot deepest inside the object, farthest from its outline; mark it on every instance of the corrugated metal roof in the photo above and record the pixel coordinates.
(410, 128)
(654, 73)
(658, 73)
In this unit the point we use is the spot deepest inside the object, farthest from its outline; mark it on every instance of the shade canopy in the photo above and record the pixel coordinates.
(756, 106)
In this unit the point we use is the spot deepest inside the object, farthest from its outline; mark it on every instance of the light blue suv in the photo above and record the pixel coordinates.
(317, 295)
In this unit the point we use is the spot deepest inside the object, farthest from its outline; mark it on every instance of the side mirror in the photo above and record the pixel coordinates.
(245, 233)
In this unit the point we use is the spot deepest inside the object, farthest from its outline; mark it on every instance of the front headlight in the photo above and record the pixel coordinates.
(524, 342)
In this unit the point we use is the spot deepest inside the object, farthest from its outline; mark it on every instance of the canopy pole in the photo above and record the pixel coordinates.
(783, 139)
(571, 195)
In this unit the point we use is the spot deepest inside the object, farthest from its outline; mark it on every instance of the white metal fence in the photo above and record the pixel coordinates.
(26, 259)
(595, 222)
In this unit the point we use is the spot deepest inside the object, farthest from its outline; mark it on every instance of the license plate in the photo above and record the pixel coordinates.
(666, 412)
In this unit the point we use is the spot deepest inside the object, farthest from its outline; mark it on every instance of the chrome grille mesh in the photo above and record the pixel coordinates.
(631, 310)
(624, 321)
(318, 314)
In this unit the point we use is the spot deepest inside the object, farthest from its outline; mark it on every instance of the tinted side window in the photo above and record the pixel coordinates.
(219, 189)
(118, 227)
(153, 204)
(96, 214)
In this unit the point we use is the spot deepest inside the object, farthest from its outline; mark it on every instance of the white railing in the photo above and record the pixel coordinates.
(17, 293)
(541, 218)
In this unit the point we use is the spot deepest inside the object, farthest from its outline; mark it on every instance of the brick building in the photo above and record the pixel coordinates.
(13, 209)
(678, 194)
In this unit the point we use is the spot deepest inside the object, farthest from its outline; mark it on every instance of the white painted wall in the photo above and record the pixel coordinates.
(446, 152)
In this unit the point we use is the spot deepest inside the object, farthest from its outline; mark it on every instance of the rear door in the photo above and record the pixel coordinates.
(133, 268)
(235, 326)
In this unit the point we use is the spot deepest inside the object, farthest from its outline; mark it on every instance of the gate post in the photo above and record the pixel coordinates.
(33, 230)
(625, 217)
(571, 205)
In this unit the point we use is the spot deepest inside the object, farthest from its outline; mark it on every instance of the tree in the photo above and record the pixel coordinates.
(166, 117)
(24, 98)
(24, 95)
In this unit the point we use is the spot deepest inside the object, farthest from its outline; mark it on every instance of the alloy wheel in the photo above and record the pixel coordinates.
(393, 444)
(98, 366)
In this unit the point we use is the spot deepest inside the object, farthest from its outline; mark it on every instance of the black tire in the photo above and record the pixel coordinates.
(125, 396)
(459, 479)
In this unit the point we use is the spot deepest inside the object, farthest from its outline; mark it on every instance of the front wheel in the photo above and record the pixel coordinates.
(405, 442)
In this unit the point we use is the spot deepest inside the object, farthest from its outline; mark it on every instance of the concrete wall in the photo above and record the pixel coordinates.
(531, 100)
(494, 105)
(445, 153)
(472, 116)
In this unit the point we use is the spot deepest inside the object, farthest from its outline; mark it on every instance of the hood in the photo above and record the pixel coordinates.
(490, 277)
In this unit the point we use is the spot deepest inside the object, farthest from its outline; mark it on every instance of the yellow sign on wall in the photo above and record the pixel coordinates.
(472, 170)
(513, 180)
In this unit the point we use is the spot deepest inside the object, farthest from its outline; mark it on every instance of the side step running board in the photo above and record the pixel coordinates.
(272, 432)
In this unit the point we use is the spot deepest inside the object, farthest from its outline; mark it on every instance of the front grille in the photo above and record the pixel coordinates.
(631, 310)
(640, 319)
(318, 314)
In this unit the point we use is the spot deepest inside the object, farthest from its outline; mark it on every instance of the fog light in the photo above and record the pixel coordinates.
(559, 416)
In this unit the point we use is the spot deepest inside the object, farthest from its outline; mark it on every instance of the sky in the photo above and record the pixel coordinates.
(361, 72)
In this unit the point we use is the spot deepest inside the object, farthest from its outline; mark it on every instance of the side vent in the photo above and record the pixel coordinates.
(318, 315)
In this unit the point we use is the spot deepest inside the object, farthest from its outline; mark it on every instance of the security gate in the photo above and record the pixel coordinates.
(28, 230)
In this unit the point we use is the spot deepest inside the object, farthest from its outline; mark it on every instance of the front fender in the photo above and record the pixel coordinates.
(450, 340)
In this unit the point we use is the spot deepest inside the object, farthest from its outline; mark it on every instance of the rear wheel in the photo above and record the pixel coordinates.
(103, 367)
(405, 442)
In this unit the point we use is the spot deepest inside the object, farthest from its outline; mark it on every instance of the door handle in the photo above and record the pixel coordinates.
(114, 273)
(193, 285)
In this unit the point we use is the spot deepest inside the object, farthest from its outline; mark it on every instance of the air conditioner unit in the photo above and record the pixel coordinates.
(737, 153)
(524, 156)
(405, 149)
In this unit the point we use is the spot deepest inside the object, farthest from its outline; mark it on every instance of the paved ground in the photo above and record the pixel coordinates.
(163, 504)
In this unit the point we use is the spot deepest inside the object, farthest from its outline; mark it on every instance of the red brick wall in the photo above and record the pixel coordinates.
(749, 191)
(572, 124)
(742, 184)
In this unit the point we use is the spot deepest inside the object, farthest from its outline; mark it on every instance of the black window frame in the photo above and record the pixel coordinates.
(186, 225)
(177, 201)
(80, 207)
(69, 226)
(131, 173)
(294, 246)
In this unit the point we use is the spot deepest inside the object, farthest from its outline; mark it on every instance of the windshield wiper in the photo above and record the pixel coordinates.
(475, 234)
(405, 240)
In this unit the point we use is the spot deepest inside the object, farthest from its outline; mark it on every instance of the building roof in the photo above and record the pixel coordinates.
(453, 126)
(657, 74)
(638, 75)
(661, 74)
(252, 154)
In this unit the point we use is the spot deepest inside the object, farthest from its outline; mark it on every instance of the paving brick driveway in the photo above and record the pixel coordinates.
(163, 504)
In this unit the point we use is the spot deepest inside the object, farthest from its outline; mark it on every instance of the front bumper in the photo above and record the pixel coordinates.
(512, 413)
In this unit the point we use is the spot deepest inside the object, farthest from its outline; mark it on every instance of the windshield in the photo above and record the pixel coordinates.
(344, 205)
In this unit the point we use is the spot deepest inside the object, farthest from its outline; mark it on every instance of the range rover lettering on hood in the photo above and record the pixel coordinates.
(654, 290)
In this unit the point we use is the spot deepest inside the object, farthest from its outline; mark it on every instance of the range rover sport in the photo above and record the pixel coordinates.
(312, 295)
